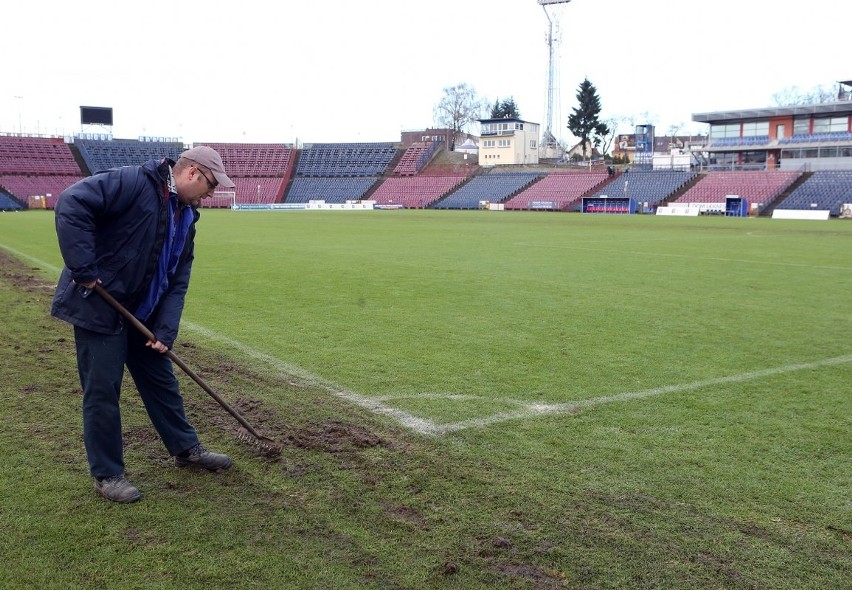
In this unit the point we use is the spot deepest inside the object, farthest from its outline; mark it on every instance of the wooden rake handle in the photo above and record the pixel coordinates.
(175, 359)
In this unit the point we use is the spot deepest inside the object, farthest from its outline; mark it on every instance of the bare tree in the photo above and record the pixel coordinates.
(793, 95)
(459, 107)
(674, 129)
(606, 139)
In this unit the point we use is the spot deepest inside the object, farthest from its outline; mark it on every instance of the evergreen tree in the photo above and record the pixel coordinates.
(505, 109)
(584, 122)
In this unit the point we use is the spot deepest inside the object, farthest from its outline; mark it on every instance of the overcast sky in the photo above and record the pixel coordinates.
(334, 71)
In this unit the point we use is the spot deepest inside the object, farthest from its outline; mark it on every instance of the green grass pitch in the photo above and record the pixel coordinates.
(570, 401)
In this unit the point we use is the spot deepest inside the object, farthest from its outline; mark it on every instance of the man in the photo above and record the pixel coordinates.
(132, 230)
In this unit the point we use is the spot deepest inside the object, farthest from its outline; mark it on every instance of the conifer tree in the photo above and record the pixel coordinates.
(584, 121)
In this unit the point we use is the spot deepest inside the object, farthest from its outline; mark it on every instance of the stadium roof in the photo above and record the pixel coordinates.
(504, 120)
(826, 108)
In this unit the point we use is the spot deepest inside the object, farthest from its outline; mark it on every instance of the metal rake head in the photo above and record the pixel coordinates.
(264, 444)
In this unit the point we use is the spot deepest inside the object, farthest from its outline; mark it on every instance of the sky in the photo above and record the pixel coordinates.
(344, 71)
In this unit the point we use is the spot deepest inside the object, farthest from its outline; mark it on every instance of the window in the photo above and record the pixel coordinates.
(831, 124)
(533, 144)
(801, 125)
(720, 131)
(754, 157)
(505, 143)
(489, 143)
(724, 159)
(755, 128)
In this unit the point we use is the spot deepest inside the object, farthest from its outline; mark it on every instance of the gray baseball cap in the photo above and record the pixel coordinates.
(209, 158)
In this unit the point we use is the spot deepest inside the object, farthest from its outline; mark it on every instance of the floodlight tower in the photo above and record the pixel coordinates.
(549, 145)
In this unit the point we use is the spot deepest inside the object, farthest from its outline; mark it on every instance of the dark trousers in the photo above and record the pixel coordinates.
(101, 360)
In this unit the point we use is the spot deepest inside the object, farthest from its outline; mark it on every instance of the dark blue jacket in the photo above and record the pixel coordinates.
(111, 226)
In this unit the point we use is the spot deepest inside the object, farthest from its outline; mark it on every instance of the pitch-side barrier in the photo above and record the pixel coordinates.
(309, 206)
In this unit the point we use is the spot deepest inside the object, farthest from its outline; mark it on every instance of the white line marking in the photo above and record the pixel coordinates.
(430, 427)
(375, 405)
(537, 409)
(42, 263)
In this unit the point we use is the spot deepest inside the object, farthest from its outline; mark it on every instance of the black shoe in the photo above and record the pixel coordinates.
(199, 456)
(117, 489)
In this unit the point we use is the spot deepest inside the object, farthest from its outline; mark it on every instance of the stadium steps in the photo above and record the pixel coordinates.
(388, 172)
(449, 192)
(770, 206)
(287, 176)
(81, 161)
(8, 198)
(393, 162)
(447, 163)
(514, 194)
(577, 204)
(442, 147)
(294, 162)
(375, 186)
(674, 196)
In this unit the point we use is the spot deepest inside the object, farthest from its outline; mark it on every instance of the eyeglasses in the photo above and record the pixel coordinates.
(211, 184)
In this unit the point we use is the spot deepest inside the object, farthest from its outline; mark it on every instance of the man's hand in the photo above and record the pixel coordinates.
(157, 345)
(86, 288)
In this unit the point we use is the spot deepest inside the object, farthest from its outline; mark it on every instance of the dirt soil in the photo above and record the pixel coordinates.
(306, 422)
(332, 436)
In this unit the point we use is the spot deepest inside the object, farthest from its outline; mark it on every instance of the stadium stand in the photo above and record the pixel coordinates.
(330, 190)
(105, 154)
(494, 187)
(646, 186)
(36, 155)
(415, 192)
(255, 189)
(557, 191)
(254, 159)
(759, 187)
(37, 169)
(260, 172)
(9, 203)
(416, 157)
(325, 160)
(749, 140)
(823, 190)
(814, 137)
(28, 187)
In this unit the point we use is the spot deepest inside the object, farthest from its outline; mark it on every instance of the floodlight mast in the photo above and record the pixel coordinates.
(548, 139)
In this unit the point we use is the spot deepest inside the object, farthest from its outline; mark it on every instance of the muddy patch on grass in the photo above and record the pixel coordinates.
(405, 514)
(330, 435)
(22, 278)
(333, 437)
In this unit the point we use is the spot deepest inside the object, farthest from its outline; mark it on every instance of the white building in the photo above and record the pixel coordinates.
(508, 141)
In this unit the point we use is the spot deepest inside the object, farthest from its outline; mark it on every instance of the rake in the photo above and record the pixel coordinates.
(246, 432)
